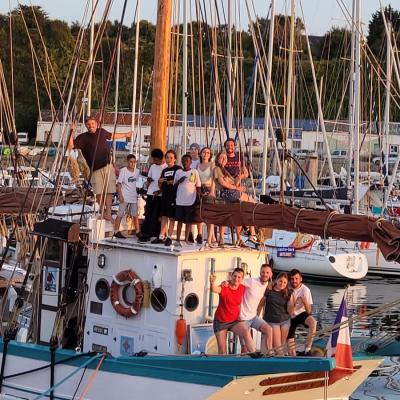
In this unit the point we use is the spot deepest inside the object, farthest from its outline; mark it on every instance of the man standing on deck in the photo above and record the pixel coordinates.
(96, 152)
(302, 313)
(254, 292)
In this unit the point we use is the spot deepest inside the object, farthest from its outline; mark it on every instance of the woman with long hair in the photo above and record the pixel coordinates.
(205, 169)
(279, 304)
(227, 314)
(231, 190)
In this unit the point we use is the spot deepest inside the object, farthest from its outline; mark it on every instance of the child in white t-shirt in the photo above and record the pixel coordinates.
(188, 184)
(127, 195)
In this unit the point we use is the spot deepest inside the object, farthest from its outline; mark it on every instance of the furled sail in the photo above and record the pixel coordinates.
(323, 223)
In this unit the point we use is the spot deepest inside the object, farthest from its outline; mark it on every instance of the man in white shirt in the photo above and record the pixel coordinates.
(302, 312)
(254, 293)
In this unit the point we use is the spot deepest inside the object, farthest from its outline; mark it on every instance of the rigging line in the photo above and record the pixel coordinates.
(8, 243)
(11, 60)
(52, 388)
(64, 360)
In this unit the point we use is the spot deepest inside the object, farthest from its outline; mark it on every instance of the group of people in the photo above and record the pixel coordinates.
(284, 303)
(172, 191)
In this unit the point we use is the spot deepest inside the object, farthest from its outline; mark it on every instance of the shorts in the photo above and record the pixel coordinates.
(223, 326)
(296, 321)
(168, 207)
(103, 180)
(255, 323)
(230, 196)
(184, 214)
(206, 190)
(283, 324)
(128, 209)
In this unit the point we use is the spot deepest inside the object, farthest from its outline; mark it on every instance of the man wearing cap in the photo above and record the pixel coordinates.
(96, 152)
(194, 150)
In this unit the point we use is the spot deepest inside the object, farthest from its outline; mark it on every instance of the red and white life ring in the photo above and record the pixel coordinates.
(122, 279)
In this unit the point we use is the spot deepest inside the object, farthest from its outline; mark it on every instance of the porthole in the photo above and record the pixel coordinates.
(158, 299)
(332, 259)
(191, 302)
(102, 289)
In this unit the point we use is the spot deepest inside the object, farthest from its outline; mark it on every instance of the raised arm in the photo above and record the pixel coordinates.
(120, 135)
(213, 287)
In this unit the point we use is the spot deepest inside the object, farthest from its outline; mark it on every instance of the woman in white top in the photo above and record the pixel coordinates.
(205, 170)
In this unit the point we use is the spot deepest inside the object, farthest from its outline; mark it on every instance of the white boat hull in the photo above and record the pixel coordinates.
(101, 385)
(316, 260)
(377, 265)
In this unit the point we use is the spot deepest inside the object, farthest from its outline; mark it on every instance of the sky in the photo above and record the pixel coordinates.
(320, 15)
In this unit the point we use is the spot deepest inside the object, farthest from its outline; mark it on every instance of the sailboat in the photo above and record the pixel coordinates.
(111, 316)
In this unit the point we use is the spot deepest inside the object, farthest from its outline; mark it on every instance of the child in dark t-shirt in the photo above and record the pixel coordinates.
(168, 198)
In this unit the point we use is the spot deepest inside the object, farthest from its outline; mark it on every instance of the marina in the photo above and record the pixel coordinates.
(205, 207)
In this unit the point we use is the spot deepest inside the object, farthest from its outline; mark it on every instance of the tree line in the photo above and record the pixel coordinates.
(39, 51)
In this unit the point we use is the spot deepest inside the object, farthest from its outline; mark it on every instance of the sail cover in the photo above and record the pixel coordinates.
(326, 224)
(24, 200)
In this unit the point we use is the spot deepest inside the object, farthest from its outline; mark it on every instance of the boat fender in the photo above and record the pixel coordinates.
(365, 245)
(180, 331)
(122, 279)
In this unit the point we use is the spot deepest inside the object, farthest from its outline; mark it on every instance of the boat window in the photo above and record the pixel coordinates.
(158, 300)
(191, 301)
(102, 289)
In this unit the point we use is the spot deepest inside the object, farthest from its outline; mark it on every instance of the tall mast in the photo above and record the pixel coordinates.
(184, 79)
(357, 111)
(89, 95)
(116, 94)
(321, 115)
(290, 69)
(387, 99)
(229, 84)
(135, 68)
(159, 105)
(351, 94)
(268, 97)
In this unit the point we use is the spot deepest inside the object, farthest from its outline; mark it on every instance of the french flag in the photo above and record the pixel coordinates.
(339, 345)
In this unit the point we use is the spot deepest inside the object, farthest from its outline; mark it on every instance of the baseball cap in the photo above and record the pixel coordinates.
(194, 146)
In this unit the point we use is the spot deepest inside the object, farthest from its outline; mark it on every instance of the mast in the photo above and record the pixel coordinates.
(357, 116)
(135, 68)
(159, 105)
(253, 110)
(229, 85)
(116, 94)
(351, 95)
(290, 69)
(184, 78)
(268, 97)
(387, 97)
(321, 115)
(89, 95)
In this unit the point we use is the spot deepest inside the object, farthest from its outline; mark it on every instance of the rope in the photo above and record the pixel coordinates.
(297, 216)
(92, 377)
(86, 363)
(328, 220)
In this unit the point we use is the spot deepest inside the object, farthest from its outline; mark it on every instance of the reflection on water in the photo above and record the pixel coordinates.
(363, 296)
